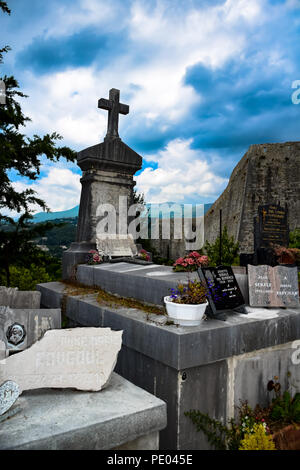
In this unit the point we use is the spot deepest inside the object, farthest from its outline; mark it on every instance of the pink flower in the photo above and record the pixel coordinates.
(179, 261)
(204, 260)
(195, 254)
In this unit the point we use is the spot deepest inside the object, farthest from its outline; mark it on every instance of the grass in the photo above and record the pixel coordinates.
(110, 300)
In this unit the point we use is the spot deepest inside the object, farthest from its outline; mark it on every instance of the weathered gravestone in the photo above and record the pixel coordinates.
(223, 290)
(107, 179)
(81, 358)
(273, 286)
(12, 297)
(271, 226)
(20, 328)
(116, 245)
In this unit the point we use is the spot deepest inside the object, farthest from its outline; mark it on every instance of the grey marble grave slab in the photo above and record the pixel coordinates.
(14, 298)
(120, 415)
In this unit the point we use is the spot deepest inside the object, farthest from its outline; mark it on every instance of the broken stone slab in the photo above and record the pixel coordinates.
(20, 328)
(81, 358)
(12, 297)
(9, 393)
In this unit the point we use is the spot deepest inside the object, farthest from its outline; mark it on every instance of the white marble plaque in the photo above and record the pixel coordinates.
(116, 245)
(81, 358)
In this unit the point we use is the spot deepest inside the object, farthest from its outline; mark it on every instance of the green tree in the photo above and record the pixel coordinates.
(229, 250)
(295, 238)
(21, 155)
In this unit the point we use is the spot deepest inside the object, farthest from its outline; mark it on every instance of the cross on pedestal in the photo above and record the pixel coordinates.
(114, 108)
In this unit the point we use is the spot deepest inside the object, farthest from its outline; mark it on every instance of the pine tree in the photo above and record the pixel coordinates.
(22, 155)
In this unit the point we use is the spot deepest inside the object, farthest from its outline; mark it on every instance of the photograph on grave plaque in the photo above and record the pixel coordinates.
(15, 334)
(223, 290)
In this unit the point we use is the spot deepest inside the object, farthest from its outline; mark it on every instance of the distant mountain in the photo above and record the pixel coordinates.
(43, 216)
(70, 213)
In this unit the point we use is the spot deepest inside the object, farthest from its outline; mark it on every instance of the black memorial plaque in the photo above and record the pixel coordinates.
(223, 290)
(271, 226)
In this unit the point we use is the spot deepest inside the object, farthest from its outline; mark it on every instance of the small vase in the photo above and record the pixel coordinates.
(185, 314)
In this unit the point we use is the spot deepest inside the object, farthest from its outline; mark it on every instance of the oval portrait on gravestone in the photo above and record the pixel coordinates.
(15, 334)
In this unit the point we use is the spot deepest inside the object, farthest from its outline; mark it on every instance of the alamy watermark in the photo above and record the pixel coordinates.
(2, 92)
(296, 354)
(296, 93)
(164, 221)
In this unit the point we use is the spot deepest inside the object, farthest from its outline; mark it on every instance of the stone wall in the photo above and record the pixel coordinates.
(267, 174)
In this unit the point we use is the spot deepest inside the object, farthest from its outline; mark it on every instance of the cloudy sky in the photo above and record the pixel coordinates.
(204, 80)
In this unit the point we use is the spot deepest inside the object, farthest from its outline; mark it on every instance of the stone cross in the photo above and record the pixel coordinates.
(114, 108)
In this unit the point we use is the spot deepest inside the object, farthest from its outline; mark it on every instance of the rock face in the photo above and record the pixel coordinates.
(267, 174)
(81, 358)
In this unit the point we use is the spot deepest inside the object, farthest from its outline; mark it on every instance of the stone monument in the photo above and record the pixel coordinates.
(107, 178)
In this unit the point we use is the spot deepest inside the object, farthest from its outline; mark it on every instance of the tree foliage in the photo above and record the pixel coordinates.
(21, 155)
(229, 250)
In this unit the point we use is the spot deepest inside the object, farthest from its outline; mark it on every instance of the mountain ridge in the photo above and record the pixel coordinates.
(73, 212)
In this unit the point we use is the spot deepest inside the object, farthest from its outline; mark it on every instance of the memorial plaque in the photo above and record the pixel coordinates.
(223, 289)
(273, 286)
(271, 226)
(116, 246)
(81, 358)
(20, 328)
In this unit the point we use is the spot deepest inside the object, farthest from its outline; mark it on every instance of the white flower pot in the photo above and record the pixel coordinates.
(185, 314)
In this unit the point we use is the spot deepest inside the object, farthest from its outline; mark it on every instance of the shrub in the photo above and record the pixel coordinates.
(229, 250)
(257, 439)
(26, 279)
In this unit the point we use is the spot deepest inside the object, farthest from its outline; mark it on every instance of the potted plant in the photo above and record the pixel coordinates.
(186, 305)
(190, 262)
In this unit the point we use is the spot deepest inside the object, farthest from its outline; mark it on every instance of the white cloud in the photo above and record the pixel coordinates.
(67, 101)
(183, 173)
(210, 35)
(60, 189)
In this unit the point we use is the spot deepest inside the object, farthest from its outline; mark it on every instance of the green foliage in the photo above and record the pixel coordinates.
(16, 247)
(26, 278)
(21, 155)
(285, 408)
(5, 9)
(295, 239)
(257, 440)
(229, 250)
(138, 198)
(218, 435)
